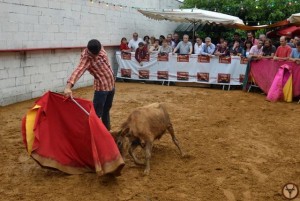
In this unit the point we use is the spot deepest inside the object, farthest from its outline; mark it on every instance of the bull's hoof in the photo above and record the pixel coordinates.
(138, 162)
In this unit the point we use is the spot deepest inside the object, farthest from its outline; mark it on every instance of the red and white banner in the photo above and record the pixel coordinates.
(184, 68)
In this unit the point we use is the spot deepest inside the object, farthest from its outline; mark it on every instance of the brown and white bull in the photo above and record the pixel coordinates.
(142, 127)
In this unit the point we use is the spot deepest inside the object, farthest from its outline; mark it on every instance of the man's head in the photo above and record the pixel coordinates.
(260, 44)
(296, 39)
(169, 37)
(185, 38)
(199, 40)
(236, 36)
(156, 43)
(207, 40)
(250, 35)
(298, 46)
(221, 40)
(176, 36)
(282, 41)
(268, 42)
(146, 39)
(262, 37)
(141, 45)
(165, 43)
(224, 44)
(94, 46)
(135, 36)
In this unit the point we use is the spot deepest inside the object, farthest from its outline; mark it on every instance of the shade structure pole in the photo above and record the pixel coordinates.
(194, 23)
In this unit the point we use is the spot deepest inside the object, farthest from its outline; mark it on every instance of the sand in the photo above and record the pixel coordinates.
(237, 146)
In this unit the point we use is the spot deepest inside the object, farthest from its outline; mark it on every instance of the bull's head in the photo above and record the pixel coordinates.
(121, 141)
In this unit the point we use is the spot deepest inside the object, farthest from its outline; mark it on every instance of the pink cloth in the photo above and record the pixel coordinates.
(263, 71)
(275, 93)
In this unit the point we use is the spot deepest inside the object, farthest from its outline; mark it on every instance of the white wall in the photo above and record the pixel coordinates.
(63, 23)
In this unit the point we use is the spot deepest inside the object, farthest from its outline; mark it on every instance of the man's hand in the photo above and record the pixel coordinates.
(68, 91)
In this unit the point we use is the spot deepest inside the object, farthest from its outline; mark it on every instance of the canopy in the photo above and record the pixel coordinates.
(60, 134)
(194, 15)
(294, 18)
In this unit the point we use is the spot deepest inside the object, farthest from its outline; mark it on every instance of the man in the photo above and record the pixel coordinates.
(208, 48)
(184, 47)
(94, 59)
(251, 38)
(170, 42)
(257, 50)
(269, 49)
(295, 55)
(222, 49)
(262, 37)
(236, 50)
(134, 42)
(236, 37)
(176, 39)
(293, 44)
(198, 45)
(283, 51)
(141, 53)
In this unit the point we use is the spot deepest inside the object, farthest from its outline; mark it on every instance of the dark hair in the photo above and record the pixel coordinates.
(162, 36)
(146, 37)
(298, 43)
(236, 34)
(199, 38)
(157, 40)
(141, 44)
(94, 46)
(248, 42)
(123, 39)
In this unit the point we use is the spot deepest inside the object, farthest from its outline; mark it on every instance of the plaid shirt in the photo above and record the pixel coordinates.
(99, 67)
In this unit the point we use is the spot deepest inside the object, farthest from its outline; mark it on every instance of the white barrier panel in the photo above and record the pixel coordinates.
(183, 68)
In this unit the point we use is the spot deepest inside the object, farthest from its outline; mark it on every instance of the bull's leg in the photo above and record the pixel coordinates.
(171, 131)
(132, 147)
(148, 150)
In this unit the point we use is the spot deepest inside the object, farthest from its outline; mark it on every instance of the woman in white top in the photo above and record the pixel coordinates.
(248, 45)
(198, 45)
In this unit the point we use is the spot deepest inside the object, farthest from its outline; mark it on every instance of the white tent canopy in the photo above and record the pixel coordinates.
(194, 15)
(294, 18)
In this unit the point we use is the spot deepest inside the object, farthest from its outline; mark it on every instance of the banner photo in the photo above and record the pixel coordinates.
(183, 68)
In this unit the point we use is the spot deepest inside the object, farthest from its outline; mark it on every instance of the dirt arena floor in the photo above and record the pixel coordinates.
(237, 147)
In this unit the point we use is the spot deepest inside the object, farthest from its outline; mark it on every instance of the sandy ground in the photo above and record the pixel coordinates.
(238, 147)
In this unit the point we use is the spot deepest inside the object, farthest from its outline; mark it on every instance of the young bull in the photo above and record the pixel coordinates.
(142, 127)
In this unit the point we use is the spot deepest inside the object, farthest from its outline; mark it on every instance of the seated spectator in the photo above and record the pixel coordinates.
(124, 45)
(236, 37)
(223, 49)
(293, 42)
(257, 50)
(161, 38)
(208, 47)
(184, 47)
(236, 50)
(268, 49)
(263, 38)
(134, 42)
(295, 54)
(283, 51)
(170, 42)
(198, 45)
(165, 48)
(154, 47)
(247, 48)
(140, 53)
(152, 40)
(221, 40)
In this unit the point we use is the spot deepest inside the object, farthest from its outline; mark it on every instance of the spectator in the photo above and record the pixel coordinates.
(152, 40)
(165, 48)
(251, 38)
(134, 42)
(198, 45)
(262, 37)
(248, 45)
(236, 37)
(170, 42)
(223, 49)
(293, 42)
(208, 48)
(124, 45)
(257, 50)
(269, 49)
(176, 39)
(221, 40)
(184, 47)
(141, 53)
(154, 47)
(147, 42)
(236, 50)
(283, 51)
(295, 54)
(161, 38)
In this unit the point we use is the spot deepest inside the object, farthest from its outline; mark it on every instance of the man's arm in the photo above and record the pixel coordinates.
(176, 48)
(202, 51)
(191, 48)
(77, 73)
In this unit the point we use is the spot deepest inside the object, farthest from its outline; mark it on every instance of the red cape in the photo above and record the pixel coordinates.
(58, 134)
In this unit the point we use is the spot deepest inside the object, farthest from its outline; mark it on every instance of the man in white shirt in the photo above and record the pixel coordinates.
(134, 42)
(170, 42)
(198, 45)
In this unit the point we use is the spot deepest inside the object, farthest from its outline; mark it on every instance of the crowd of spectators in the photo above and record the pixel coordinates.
(251, 47)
